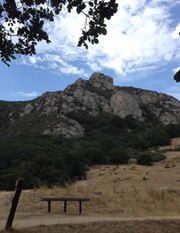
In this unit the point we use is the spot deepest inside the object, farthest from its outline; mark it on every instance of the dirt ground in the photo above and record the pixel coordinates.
(123, 198)
(145, 226)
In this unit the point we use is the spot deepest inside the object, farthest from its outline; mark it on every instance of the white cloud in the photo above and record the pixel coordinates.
(146, 39)
(34, 59)
(94, 65)
(176, 69)
(175, 33)
(53, 62)
(25, 94)
(141, 36)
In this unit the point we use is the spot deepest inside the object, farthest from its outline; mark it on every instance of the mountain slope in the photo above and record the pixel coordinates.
(52, 112)
(58, 136)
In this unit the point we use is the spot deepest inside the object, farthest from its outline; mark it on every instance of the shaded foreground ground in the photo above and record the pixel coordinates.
(136, 226)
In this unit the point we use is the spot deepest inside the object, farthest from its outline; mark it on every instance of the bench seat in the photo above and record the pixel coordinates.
(65, 199)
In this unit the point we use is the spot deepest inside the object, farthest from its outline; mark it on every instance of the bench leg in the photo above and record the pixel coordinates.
(49, 206)
(65, 206)
(80, 207)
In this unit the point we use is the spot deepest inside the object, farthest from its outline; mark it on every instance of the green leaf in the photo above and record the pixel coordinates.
(83, 6)
(104, 31)
(96, 41)
(86, 46)
(57, 11)
(91, 4)
(90, 12)
(79, 9)
(13, 57)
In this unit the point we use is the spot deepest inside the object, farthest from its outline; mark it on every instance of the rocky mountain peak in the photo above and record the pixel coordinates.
(101, 81)
(52, 113)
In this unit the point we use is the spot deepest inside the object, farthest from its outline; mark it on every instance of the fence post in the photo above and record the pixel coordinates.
(15, 199)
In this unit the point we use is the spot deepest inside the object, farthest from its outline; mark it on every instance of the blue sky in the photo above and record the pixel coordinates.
(141, 49)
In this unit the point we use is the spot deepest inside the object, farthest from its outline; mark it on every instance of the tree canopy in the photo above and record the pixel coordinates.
(22, 23)
(177, 76)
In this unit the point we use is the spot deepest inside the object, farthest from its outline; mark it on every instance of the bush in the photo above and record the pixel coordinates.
(145, 159)
(119, 155)
(173, 130)
(156, 157)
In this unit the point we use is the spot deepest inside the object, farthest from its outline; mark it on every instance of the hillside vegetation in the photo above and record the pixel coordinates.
(123, 198)
(118, 193)
(49, 160)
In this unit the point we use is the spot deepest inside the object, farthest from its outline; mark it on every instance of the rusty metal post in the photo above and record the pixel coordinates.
(15, 199)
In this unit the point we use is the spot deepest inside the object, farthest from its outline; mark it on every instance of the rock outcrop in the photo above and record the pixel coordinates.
(102, 82)
(124, 104)
(51, 112)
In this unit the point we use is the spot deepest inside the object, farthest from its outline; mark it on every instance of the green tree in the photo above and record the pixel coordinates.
(24, 19)
(177, 76)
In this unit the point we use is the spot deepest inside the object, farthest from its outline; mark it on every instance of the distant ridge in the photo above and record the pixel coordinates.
(51, 113)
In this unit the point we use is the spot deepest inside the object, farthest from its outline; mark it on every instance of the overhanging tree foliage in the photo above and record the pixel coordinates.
(24, 20)
(177, 76)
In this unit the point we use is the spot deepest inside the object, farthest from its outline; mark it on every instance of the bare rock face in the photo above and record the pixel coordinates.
(68, 129)
(51, 113)
(164, 107)
(124, 104)
(27, 109)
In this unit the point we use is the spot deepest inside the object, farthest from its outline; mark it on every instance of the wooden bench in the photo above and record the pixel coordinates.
(65, 199)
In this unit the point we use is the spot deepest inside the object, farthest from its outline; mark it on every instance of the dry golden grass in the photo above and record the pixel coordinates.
(124, 191)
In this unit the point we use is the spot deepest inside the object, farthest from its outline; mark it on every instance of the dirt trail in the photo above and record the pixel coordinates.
(33, 221)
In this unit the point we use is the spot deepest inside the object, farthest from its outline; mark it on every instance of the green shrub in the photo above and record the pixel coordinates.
(119, 155)
(156, 156)
(145, 159)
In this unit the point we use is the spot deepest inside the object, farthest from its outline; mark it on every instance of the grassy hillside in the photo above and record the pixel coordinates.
(108, 139)
(125, 191)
